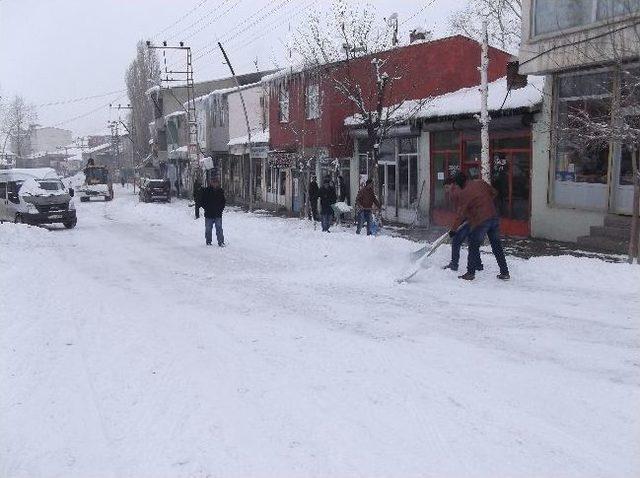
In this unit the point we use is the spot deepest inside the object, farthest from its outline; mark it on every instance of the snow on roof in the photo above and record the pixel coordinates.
(153, 89)
(257, 136)
(226, 91)
(467, 101)
(176, 113)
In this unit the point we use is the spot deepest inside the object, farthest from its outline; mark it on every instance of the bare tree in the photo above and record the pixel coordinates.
(352, 50)
(504, 18)
(143, 73)
(18, 115)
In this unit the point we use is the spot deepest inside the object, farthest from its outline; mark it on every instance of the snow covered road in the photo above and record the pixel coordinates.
(129, 349)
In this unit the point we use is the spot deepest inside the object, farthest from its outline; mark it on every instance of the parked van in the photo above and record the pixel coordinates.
(35, 196)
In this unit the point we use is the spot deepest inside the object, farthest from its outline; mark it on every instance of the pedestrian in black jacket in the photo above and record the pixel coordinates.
(327, 199)
(314, 193)
(212, 200)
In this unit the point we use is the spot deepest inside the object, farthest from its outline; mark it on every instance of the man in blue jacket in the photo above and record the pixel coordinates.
(212, 200)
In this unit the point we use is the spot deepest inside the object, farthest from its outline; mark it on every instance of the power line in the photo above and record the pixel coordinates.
(213, 20)
(237, 34)
(238, 24)
(212, 12)
(88, 113)
(78, 100)
(202, 2)
(406, 20)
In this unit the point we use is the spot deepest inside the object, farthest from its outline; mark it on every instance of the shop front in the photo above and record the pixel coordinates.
(400, 183)
(594, 175)
(510, 161)
(278, 178)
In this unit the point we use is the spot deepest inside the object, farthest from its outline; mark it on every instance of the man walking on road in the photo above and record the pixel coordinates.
(476, 206)
(212, 200)
(314, 193)
(327, 199)
(365, 201)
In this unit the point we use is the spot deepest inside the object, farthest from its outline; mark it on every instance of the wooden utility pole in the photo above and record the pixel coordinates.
(484, 108)
(246, 119)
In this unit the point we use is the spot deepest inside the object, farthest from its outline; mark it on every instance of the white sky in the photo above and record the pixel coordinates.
(54, 51)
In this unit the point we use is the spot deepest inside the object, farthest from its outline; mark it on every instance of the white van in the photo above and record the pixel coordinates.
(35, 196)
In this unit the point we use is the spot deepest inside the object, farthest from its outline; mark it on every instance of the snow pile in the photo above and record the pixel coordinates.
(466, 101)
(129, 348)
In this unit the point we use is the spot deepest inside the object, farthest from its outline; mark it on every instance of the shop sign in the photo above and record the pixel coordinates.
(259, 152)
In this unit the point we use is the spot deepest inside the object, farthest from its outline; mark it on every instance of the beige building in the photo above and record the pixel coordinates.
(590, 50)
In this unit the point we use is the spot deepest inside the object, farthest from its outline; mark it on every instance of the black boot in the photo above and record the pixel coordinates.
(451, 266)
(467, 276)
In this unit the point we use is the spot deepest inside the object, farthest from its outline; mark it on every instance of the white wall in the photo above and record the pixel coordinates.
(549, 221)
(48, 139)
(237, 124)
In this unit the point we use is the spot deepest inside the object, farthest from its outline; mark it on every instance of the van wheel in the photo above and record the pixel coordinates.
(108, 198)
(70, 224)
(18, 219)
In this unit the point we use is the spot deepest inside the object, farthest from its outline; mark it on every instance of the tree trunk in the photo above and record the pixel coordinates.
(635, 220)
(484, 109)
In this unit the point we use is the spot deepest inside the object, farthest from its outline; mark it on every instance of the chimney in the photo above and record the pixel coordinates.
(515, 80)
(418, 34)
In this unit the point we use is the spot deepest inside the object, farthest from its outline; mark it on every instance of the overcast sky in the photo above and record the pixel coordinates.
(67, 50)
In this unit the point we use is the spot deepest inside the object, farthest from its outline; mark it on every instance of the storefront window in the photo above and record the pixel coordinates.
(579, 158)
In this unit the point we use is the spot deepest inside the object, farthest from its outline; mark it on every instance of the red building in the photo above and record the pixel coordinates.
(307, 113)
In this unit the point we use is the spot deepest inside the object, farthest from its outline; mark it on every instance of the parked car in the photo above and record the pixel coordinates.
(154, 190)
(36, 196)
(97, 184)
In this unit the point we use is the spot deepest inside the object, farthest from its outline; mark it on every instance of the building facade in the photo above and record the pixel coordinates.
(307, 114)
(590, 52)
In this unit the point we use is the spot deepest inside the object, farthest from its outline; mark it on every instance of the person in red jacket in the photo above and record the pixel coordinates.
(462, 233)
(476, 206)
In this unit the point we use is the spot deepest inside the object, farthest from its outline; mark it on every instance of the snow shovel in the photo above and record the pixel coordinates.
(415, 267)
(415, 255)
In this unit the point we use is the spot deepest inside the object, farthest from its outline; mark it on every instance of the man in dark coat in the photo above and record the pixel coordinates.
(328, 197)
(314, 193)
(476, 206)
(212, 200)
(365, 201)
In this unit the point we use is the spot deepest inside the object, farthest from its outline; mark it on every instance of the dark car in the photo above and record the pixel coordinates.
(155, 190)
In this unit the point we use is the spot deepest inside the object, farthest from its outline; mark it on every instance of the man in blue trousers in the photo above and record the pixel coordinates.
(212, 200)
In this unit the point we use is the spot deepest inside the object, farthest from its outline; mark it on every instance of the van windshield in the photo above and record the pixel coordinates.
(51, 185)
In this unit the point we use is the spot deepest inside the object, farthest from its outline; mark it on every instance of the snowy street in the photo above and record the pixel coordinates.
(130, 349)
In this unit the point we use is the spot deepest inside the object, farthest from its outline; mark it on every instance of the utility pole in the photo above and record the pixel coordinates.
(246, 119)
(184, 77)
(484, 108)
(128, 107)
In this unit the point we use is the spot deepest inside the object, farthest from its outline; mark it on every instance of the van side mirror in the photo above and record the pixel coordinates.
(71, 192)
